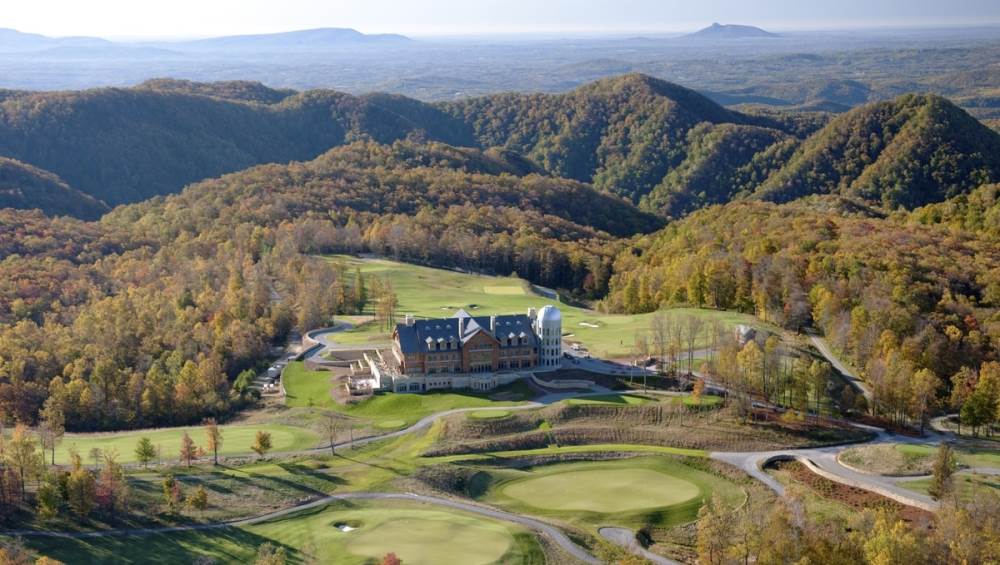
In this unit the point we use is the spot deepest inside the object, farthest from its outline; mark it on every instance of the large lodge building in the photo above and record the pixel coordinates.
(427, 352)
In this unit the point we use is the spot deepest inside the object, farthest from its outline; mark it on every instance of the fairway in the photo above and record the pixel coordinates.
(236, 440)
(607, 491)
(507, 290)
(434, 293)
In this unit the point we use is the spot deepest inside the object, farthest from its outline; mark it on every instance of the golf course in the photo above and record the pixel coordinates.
(435, 293)
(341, 533)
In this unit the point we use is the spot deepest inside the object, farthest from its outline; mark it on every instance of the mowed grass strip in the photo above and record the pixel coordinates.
(236, 440)
(612, 399)
(418, 534)
(489, 414)
(557, 450)
(436, 293)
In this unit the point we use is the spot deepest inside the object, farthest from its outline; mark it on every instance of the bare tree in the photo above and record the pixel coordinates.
(331, 425)
(660, 338)
(693, 328)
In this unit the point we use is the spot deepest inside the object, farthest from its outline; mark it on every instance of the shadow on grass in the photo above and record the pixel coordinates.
(228, 545)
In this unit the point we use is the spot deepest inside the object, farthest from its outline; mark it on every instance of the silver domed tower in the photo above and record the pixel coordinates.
(548, 326)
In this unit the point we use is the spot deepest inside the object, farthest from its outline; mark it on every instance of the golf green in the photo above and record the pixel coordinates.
(431, 537)
(605, 491)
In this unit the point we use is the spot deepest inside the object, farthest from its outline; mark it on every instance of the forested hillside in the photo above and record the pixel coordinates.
(977, 212)
(723, 162)
(912, 151)
(150, 316)
(126, 145)
(623, 134)
(650, 141)
(23, 186)
(896, 296)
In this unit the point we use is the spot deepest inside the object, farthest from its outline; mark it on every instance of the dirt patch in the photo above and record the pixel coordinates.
(856, 498)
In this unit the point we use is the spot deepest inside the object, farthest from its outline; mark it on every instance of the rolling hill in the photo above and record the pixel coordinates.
(908, 152)
(23, 186)
(650, 141)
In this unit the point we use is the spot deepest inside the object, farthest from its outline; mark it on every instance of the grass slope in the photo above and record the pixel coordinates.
(418, 534)
(312, 388)
(236, 441)
(436, 293)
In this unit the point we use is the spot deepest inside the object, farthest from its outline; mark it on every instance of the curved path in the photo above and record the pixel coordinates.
(855, 382)
(824, 462)
(626, 538)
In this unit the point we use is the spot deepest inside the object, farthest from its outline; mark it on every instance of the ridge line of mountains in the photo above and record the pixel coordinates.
(15, 41)
(663, 147)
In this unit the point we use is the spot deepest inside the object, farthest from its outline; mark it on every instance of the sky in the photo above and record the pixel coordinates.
(202, 18)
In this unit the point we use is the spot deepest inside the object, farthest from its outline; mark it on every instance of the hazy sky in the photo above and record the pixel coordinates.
(186, 18)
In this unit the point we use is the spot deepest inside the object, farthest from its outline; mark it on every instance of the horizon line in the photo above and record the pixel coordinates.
(472, 33)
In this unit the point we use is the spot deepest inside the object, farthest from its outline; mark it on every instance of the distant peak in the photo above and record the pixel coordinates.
(730, 31)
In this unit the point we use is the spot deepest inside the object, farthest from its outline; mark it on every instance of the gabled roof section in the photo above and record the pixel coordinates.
(425, 335)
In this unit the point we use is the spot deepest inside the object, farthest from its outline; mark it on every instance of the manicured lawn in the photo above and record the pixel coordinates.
(312, 388)
(429, 292)
(236, 441)
(417, 534)
(607, 491)
(307, 388)
(619, 399)
(629, 492)
(593, 448)
(489, 414)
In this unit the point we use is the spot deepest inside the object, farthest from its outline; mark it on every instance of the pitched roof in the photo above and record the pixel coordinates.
(414, 338)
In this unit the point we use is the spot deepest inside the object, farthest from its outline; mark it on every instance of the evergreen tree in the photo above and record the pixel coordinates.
(145, 451)
(942, 475)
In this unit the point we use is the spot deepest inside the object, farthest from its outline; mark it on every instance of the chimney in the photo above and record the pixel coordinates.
(409, 319)
(531, 313)
(493, 325)
(461, 327)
